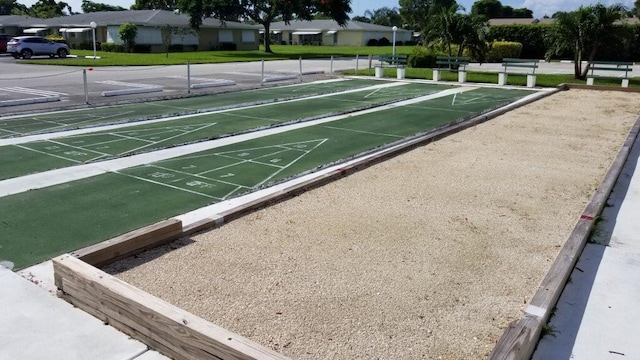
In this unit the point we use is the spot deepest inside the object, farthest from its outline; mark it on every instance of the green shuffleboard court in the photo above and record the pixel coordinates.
(40, 224)
(66, 120)
(27, 158)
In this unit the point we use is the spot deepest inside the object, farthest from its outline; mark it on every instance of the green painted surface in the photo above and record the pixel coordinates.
(66, 120)
(40, 224)
(147, 137)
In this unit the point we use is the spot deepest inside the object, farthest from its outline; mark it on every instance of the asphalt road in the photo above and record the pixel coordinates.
(27, 81)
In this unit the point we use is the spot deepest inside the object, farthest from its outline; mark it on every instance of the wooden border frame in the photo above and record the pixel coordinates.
(519, 340)
(174, 331)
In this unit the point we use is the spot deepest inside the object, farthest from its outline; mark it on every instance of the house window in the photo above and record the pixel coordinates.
(225, 36)
(248, 36)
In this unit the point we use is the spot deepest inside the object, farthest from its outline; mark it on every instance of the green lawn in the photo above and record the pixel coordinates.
(280, 52)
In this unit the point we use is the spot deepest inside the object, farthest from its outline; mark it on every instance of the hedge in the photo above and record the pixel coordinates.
(499, 50)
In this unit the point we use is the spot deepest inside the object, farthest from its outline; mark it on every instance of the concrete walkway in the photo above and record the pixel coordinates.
(597, 314)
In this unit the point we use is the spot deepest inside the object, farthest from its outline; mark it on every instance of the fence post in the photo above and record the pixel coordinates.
(331, 73)
(86, 88)
(370, 61)
(262, 74)
(357, 57)
(188, 77)
(300, 68)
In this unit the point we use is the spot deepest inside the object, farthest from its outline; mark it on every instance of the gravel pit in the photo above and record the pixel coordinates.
(428, 255)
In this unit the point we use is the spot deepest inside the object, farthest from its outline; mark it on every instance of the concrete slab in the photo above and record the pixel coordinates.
(30, 316)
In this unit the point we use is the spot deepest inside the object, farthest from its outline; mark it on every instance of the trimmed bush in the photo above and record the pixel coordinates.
(503, 49)
(384, 42)
(112, 47)
(420, 57)
(532, 38)
(142, 49)
(228, 46)
(372, 42)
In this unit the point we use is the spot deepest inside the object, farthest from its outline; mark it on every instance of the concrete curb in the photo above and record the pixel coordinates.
(39, 100)
(213, 84)
(131, 91)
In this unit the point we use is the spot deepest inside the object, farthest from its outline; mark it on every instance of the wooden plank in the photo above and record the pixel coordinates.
(520, 339)
(139, 314)
(130, 243)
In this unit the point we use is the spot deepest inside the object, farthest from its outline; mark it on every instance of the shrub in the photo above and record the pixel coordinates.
(176, 48)
(503, 49)
(410, 43)
(384, 42)
(228, 46)
(143, 49)
(372, 42)
(532, 38)
(420, 57)
(107, 47)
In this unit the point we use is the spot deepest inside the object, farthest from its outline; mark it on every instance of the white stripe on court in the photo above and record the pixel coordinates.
(47, 136)
(78, 172)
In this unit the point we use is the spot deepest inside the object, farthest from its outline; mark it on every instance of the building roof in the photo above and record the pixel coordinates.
(329, 25)
(513, 21)
(106, 18)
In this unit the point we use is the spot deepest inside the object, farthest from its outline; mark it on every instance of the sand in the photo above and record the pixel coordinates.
(428, 255)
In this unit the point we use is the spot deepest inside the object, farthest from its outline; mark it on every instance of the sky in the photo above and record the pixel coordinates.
(540, 7)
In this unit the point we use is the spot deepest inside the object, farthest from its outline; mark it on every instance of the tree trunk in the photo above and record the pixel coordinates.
(592, 55)
(267, 37)
(577, 62)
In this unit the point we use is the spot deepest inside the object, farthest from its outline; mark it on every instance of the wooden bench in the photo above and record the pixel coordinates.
(451, 63)
(397, 61)
(531, 64)
(599, 66)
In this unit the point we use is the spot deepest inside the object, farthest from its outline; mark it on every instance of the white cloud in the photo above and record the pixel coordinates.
(549, 7)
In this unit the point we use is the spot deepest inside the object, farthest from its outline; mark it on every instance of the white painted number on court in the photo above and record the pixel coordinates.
(275, 161)
(75, 153)
(227, 175)
(161, 175)
(200, 184)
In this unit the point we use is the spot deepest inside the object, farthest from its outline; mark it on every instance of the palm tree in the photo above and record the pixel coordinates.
(441, 27)
(583, 32)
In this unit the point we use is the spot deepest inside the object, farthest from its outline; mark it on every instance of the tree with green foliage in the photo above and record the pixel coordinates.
(360, 18)
(127, 33)
(441, 28)
(491, 9)
(8, 7)
(264, 12)
(90, 6)
(44, 9)
(470, 33)
(416, 13)
(384, 16)
(155, 5)
(583, 32)
(635, 10)
(523, 13)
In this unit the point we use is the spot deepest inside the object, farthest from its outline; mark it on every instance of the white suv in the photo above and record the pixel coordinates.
(27, 46)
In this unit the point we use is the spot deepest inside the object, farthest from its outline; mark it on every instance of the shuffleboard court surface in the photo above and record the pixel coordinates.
(66, 120)
(27, 158)
(40, 224)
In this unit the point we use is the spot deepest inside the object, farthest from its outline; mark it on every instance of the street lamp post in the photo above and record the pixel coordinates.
(395, 28)
(93, 28)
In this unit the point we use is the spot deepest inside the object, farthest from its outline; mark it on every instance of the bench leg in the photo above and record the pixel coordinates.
(531, 81)
(379, 71)
(462, 76)
(590, 81)
(400, 72)
(502, 79)
(436, 75)
(625, 83)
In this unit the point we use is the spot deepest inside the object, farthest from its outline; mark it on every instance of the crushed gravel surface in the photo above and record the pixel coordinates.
(428, 255)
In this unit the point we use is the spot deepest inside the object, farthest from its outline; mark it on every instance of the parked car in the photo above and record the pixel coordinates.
(4, 38)
(27, 46)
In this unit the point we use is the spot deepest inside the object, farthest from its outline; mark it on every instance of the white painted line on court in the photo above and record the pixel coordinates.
(40, 137)
(78, 172)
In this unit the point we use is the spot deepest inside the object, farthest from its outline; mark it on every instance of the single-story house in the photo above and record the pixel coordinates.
(328, 32)
(16, 25)
(213, 34)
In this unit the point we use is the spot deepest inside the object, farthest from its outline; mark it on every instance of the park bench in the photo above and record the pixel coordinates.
(599, 66)
(397, 61)
(531, 64)
(451, 63)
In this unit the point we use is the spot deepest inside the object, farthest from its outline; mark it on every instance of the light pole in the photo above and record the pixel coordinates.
(93, 28)
(395, 28)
